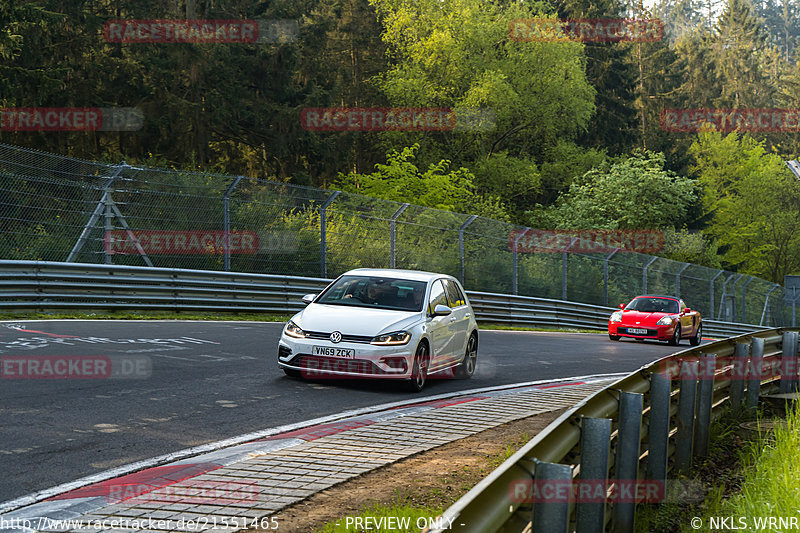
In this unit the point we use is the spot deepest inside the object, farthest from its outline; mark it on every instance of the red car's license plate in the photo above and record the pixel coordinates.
(637, 331)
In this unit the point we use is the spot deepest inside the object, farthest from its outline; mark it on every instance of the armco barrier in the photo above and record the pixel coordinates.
(50, 286)
(664, 408)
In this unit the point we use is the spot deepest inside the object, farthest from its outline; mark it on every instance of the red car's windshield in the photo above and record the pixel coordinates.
(653, 305)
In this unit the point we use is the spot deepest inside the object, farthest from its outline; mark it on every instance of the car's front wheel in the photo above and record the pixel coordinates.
(419, 370)
(676, 337)
(694, 341)
(467, 366)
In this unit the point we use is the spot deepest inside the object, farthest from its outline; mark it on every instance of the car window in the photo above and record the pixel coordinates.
(437, 297)
(376, 293)
(653, 305)
(454, 294)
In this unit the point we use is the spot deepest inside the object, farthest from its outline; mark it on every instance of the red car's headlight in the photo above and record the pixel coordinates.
(616, 317)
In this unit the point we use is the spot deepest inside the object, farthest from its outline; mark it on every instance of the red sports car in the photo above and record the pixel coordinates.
(663, 318)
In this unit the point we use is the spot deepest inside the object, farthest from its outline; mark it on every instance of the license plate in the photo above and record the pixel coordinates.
(347, 353)
(637, 331)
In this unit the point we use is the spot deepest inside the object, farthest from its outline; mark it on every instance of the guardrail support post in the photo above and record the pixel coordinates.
(789, 362)
(705, 398)
(323, 232)
(658, 426)
(686, 406)
(461, 229)
(738, 375)
(754, 375)
(626, 464)
(393, 235)
(551, 516)
(595, 446)
(226, 223)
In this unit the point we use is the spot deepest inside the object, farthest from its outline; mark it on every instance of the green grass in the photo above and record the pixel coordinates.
(771, 472)
(503, 327)
(143, 315)
(402, 512)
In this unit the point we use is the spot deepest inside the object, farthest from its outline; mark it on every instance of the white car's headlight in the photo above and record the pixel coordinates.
(665, 321)
(616, 316)
(392, 339)
(293, 330)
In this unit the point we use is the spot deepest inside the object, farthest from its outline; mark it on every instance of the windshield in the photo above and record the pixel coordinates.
(375, 293)
(653, 305)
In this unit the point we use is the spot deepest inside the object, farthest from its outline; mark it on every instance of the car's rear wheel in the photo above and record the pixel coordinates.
(676, 337)
(694, 341)
(419, 371)
(613, 337)
(467, 366)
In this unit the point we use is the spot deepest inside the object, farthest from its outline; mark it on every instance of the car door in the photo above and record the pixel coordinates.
(687, 321)
(438, 326)
(459, 320)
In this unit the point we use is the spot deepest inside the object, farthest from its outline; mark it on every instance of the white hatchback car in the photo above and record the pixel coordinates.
(386, 324)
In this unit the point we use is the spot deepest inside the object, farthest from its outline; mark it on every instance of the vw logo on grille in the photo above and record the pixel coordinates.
(336, 337)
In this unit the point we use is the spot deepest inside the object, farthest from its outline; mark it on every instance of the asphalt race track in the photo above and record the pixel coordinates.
(159, 387)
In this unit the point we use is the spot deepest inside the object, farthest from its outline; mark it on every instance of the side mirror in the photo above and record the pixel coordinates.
(308, 298)
(622, 306)
(441, 310)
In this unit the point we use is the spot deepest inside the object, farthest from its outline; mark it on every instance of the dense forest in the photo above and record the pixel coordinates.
(577, 139)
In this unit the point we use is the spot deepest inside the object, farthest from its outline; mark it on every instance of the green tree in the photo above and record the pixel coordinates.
(612, 197)
(752, 202)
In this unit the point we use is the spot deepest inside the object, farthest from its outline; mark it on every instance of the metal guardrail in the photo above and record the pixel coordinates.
(49, 286)
(666, 406)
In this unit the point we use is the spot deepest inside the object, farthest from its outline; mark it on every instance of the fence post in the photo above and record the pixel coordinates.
(644, 274)
(626, 461)
(226, 222)
(102, 207)
(738, 375)
(605, 276)
(461, 229)
(711, 293)
(744, 299)
(678, 280)
(564, 268)
(393, 233)
(754, 375)
(766, 305)
(595, 445)
(515, 264)
(684, 438)
(705, 398)
(789, 362)
(658, 425)
(551, 516)
(323, 231)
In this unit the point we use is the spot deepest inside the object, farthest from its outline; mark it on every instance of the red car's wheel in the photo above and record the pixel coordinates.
(694, 341)
(676, 337)
(613, 337)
